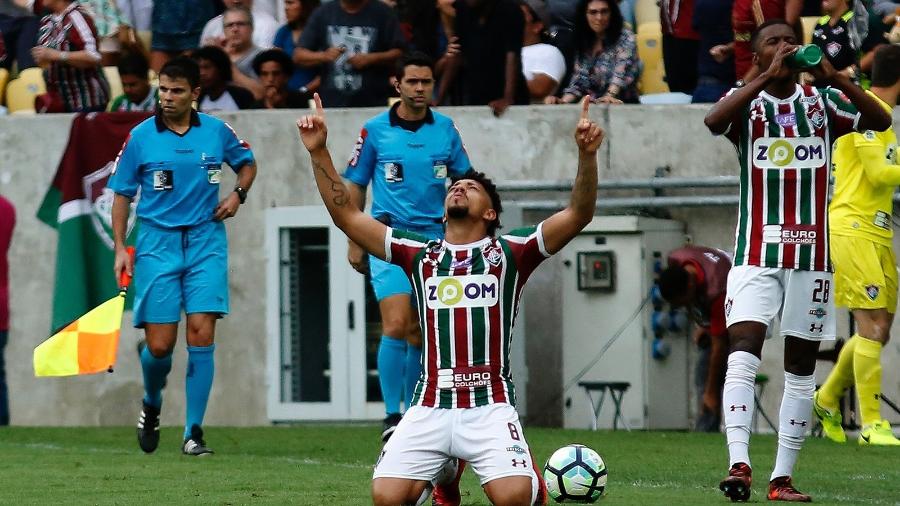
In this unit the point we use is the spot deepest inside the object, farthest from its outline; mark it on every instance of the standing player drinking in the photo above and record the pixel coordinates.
(407, 153)
(174, 160)
(866, 171)
(783, 133)
(467, 289)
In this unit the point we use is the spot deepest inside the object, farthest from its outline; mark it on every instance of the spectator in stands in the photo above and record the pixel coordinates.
(606, 62)
(138, 14)
(542, 64)
(679, 45)
(849, 46)
(490, 35)
(746, 16)
(715, 55)
(217, 93)
(238, 24)
(19, 28)
(177, 25)
(355, 44)
(264, 26)
(426, 25)
(274, 68)
(112, 30)
(139, 94)
(287, 38)
(67, 47)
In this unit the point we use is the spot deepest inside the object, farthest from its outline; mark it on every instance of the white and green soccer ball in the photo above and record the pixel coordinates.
(575, 473)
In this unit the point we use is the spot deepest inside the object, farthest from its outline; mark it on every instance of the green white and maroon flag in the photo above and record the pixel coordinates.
(79, 206)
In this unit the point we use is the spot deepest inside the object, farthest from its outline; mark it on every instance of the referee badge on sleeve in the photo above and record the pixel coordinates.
(872, 292)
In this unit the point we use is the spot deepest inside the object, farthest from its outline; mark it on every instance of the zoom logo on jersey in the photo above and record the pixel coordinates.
(791, 153)
(481, 290)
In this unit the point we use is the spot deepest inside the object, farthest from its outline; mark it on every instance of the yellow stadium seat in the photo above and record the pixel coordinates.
(809, 24)
(4, 77)
(649, 46)
(21, 91)
(646, 11)
(115, 82)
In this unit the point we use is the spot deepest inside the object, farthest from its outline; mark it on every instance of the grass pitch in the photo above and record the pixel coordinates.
(332, 464)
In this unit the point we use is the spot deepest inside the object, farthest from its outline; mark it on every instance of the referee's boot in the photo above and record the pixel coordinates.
(195, 446)
(148, 428)
(737, 485)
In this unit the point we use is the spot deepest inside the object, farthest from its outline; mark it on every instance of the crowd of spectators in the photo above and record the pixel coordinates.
(275, 53)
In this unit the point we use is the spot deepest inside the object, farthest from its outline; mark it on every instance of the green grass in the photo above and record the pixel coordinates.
(332, 464)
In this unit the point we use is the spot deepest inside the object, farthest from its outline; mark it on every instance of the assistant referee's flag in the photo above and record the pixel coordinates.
(87, 345)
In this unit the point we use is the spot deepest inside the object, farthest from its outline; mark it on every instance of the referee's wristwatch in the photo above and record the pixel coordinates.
(241, 193)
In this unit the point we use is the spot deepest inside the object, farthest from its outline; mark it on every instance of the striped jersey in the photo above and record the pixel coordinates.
(467, 297)
(73, 30)
(784, 148)
(864, 191)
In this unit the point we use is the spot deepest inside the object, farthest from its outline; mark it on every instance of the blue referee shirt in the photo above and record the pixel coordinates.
(408, 164)
(178, 175)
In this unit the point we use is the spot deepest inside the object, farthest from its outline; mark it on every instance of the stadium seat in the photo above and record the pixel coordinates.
(4, 77)
(21, 91)
(649, 46)
(809, 23)
(115, 82)
(645, 11)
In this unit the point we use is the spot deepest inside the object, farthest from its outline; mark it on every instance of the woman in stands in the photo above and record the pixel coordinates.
(297, 12)
(606, 61)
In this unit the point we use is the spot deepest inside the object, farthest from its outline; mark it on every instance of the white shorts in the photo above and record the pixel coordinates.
(489, 438)
(803, 300)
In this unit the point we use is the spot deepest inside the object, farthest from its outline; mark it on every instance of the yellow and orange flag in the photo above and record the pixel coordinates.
(88, 345)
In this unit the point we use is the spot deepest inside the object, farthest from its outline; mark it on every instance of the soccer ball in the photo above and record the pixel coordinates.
(575, 473)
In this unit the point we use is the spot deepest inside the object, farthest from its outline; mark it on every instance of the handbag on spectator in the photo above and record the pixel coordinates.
(49, 102)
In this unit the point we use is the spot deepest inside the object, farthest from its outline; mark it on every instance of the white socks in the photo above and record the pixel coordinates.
(794, 419)
(738, 405)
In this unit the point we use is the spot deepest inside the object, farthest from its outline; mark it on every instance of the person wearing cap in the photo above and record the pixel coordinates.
(274, 68)
(543, 65)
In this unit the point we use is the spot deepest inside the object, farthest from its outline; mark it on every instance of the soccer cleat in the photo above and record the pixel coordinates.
(781, 489)
(831, 422)
(390, 425)
(878, 434)
(195, 445)
(446, 484)
(737, 485)
(148, 428)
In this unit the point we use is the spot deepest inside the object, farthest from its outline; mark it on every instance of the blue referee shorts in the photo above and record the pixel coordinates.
(180, 269)
(388, 279)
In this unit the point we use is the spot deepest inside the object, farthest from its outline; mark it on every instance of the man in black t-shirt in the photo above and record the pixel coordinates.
(355, 43)
(490, 34)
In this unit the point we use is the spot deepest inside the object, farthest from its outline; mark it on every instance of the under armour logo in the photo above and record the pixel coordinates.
(801, 423)
(816, 328)
(742, 407)
(519, 462)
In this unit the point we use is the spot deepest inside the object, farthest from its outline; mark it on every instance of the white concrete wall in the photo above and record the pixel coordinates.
(526, 143)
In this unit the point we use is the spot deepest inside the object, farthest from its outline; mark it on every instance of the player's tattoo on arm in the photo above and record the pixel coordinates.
(584, 190)
(338, 190)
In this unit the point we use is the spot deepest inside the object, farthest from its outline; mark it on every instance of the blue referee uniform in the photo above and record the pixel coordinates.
(181, 260)
(408, 164)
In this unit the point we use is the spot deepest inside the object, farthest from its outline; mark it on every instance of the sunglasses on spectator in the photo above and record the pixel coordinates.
(237, 23)
(598, 12)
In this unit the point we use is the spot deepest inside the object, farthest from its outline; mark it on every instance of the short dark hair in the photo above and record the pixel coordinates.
(134, 64)
(491, 190)
(182, 67)
(754, 37)
(217, 57)
(673, 282)
(886, 67)
(417, 58)
(276, 55)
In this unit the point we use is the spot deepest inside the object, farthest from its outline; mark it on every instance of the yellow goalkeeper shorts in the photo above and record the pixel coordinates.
(865, 274)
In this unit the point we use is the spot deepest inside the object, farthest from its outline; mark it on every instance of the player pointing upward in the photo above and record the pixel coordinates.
(783, 134)
(467, 288)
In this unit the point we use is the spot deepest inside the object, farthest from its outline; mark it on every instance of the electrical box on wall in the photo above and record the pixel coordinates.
(597, 271)
(609, 271)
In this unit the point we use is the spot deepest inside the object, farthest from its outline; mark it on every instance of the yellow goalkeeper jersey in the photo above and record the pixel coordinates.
(866, 172)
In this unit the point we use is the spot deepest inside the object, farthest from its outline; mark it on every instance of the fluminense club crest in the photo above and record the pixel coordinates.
(101, 201)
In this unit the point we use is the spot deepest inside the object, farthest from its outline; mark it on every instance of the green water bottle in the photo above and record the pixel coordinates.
(807, 56)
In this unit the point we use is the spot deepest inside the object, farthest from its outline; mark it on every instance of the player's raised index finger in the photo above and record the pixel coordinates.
(320, 111)
(585, 105)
